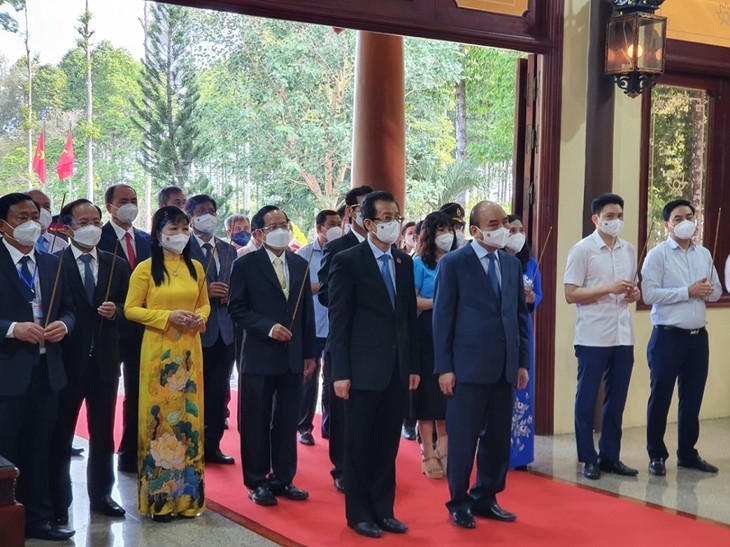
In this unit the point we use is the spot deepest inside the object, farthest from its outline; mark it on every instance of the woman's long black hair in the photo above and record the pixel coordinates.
(431, 224)
(526, 252)
(162, 216)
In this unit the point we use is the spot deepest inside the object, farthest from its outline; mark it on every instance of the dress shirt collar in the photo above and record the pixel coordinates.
(272, 256)
(16, 255)
(598, 240)
(121, 231)
(481, 251)
(360, 238)
(201, 242)
(377, 252)
(674, 245)
(78, 252)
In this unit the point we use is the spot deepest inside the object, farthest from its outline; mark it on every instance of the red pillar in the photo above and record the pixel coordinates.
(378, 142)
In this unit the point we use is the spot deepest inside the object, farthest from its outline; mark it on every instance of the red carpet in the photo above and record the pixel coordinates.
(549, 512)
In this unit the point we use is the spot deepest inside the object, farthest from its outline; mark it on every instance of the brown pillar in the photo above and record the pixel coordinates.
(378, 134)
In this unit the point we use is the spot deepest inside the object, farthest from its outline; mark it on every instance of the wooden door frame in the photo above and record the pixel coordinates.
(539, 31)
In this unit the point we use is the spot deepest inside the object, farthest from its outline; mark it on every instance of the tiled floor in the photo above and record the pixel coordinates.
(685, 490)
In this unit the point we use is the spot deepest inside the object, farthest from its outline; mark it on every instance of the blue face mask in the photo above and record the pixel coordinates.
(241, 238)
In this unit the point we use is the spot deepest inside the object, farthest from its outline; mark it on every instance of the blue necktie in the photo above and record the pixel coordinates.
(210, 262)
(492, 273)
(89, 284)
(28, 280)
(42, 244)
(385, 271)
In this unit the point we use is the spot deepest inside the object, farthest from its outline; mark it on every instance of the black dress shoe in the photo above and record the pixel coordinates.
(325, 434)
(261, 495)
(493, 511)
(216, 456)
(392, 525)
(367, 529)
(409, 433)
(49, 532)
(462, 518)
(699, 464)
(657, 467)
(107, 506)
(340, 485)
(591, 471)
(167, 517)
(290, 492)
(617, 468)
(306, 438)
(76, 451)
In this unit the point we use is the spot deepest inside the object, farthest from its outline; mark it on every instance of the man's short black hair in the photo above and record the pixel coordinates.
(321, 217)
(166, 193)
(257, 222)
(66, 214)
(367, 208)
(672, 205)
(407, 225)
(341, 211)
(196, 200)
(352, 195)
(8, 200)
(599, 202)
(109, 194)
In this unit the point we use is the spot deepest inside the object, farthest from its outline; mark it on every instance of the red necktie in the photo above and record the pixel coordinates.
(130, 250)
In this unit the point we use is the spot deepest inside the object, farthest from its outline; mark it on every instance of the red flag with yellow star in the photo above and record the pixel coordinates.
(65, 167)
(39, 158)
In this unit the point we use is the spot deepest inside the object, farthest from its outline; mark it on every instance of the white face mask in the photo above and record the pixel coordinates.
(515, 242)
(460, 238)
(206, 223)
(612, 227)
(359, 220)
(496, 238)
(409, 241)
(175, 243)
(278, 239)
(26, 233)
(88, 235)
(127, 213)
(388, 232)
(46, 219)
(333, 233)
(685, 229)
(444, 242)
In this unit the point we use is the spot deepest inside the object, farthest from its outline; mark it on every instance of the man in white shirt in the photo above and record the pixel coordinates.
(599, 280)
(678, 277)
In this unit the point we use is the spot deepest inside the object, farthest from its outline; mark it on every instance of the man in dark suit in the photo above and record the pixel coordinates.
(481, 351)
(120, 237)
(217, 258)
(35, 316)
(333, 413)
(98, 283)
(372, 315)
(271, 299)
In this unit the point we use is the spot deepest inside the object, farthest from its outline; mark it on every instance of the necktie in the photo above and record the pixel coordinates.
(131, 258)
(385, 271)
(27, 277)
(492, 273)
(210, 262)
(89, 283)
(279, 269)
(42, 244)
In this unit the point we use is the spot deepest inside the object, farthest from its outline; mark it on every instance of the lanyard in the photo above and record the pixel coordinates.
(30, 285)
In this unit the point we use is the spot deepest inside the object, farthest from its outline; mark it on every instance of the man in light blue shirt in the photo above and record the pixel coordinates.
(329, 227)
(678, 277)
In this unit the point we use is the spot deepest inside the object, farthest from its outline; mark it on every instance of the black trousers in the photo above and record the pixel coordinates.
(101, 399)
(683, 360)
(26, 423)
(372, 434)
(310, 389)
(335, 420)
(268, 420)
(131, 348)
(478, 416)
(218, 362)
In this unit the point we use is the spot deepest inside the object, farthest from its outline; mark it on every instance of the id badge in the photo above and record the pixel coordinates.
(37, 312)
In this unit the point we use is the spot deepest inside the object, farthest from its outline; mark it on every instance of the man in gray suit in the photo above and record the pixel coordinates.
(481, 352)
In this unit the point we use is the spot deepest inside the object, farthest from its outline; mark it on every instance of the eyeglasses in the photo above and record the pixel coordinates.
(388, 218)
(272, 227)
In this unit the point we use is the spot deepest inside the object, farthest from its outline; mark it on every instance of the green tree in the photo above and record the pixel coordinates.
(6, 20)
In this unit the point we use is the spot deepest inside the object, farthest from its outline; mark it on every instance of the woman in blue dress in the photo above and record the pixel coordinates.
(436, 239)
(522, 451)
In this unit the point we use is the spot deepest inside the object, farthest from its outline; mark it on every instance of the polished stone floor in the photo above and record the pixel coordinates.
(684, 490)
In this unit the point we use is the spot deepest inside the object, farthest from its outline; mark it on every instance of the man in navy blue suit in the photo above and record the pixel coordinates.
(120, 237)
(481, 352)
(217, 258)
(278, 349)
(33, 320)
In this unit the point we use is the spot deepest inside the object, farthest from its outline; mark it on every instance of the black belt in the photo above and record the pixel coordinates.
(682, 332)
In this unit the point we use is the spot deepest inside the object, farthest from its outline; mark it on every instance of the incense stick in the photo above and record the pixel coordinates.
(301, 289)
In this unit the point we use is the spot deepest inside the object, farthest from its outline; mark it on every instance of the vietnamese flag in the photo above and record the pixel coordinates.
(65, 167)
(39, 158)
